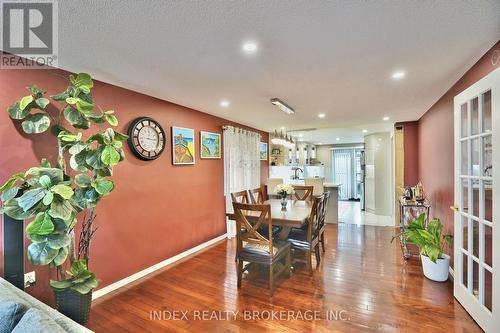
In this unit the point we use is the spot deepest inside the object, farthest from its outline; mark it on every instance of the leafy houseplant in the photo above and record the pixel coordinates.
(52, 196)
(430, 241)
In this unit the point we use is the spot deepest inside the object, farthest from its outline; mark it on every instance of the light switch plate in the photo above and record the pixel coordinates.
(29, 279)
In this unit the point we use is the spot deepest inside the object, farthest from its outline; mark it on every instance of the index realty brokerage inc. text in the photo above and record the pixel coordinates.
(249, 315)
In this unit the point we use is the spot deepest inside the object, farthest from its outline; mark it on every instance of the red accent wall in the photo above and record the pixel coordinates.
(157, 210)
(410, 143)
(435, 141)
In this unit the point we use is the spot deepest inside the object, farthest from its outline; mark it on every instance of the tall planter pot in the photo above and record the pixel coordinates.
(436, 271)
(73, 304)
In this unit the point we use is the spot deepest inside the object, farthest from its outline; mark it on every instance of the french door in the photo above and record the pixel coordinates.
(477, 191)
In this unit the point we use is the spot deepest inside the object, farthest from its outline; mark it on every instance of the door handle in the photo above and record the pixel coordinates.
(454, 208)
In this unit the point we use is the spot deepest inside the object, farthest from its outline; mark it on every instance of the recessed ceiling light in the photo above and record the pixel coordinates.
(322, 115)
(320, 143)
(224, 103)
(301, 135)
(365, 131)
(386, 118)
(397, 75)
(249, 47)
(283, 128)
(338, 139)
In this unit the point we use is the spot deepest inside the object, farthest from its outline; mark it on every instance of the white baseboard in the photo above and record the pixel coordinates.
(451, 273)
(123, 282)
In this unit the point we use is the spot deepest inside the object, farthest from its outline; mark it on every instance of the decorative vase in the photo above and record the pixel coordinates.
(74, 305)
(436, 271)
(284, 202)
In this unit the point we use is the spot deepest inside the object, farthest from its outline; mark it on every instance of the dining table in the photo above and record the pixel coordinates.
(295, 215)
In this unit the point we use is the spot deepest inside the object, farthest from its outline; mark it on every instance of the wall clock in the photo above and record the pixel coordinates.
(146, 138)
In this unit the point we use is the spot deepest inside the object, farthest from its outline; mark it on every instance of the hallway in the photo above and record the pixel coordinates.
(350, 213)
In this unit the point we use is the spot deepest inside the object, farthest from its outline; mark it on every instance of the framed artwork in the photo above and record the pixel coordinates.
(210, 145)
(263, 151)
(182, 146)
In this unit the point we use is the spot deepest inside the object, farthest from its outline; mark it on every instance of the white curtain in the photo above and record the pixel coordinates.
(241, 160)
(343, 172)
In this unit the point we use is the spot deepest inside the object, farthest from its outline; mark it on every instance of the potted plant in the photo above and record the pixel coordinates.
(283, 191)
(55, 197)
(430, 241)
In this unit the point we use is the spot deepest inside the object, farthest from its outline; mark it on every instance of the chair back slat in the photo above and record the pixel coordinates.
(303, 193)
(257, 195)
(314, 218)
(241, 197)
(249, 218)
(322, 217)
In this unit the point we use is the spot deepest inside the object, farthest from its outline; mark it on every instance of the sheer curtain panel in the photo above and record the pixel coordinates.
(241, 164)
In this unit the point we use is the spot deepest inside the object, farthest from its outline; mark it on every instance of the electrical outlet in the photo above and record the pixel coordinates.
(29, 279)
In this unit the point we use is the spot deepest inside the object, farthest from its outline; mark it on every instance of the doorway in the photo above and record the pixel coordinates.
(347, 171)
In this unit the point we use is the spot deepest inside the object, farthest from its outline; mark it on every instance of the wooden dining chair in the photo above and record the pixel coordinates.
(322, 218)
(308, 241)
(241, 197)
(257, 195)
(253, 247)
(303, 193)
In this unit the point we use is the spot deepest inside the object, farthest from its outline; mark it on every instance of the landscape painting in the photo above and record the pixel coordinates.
(210, 145)
(182, 146)
(263, 151)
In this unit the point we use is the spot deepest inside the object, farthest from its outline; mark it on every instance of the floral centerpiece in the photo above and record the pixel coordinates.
(283, 191)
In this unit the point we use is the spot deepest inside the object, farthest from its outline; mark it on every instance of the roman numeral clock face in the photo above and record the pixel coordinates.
(146, 138)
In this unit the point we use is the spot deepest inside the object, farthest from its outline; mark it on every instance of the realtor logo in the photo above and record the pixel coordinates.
(29, 34)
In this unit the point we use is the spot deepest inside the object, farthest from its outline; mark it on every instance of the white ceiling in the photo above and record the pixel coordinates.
(334, 57)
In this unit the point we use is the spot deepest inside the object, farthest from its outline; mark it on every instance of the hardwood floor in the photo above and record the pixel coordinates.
(362, 280)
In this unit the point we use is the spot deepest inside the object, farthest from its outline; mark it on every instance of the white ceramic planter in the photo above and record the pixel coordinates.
(436, 271)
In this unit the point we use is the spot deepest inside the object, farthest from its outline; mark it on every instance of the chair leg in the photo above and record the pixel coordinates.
(309, 262)
(288, 263)
(318, 257)
(240, 271)
(271, 279)
(322, 240)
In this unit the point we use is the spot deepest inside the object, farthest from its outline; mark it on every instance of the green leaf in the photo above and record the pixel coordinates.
(42, 102)
(35, 91)
(82, 79)
(45, 163)
(12, 181)
(78, 268)
(48, 198)
(10, 193)
(31, 198)
(75, 118)
(120, 137)
(61, 256)
(84, 106)
(42, 225)
(77, 148)
(15, 111)
(45, 181)
(77, 162)
(11, 208)
(103, 187)
(60, 284)
(36, 123)
(99, 137)
(41, 253)
(36, 238)
(23, 103)
(83, 180)
(111, 119)
(61, 209)
(110, 156)
(71, 100)
(109, 135)
(93, 158)
(96, 118)
(85, 287)
(69, 137)
(64, 191)
(57, 241)
(60, 97)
